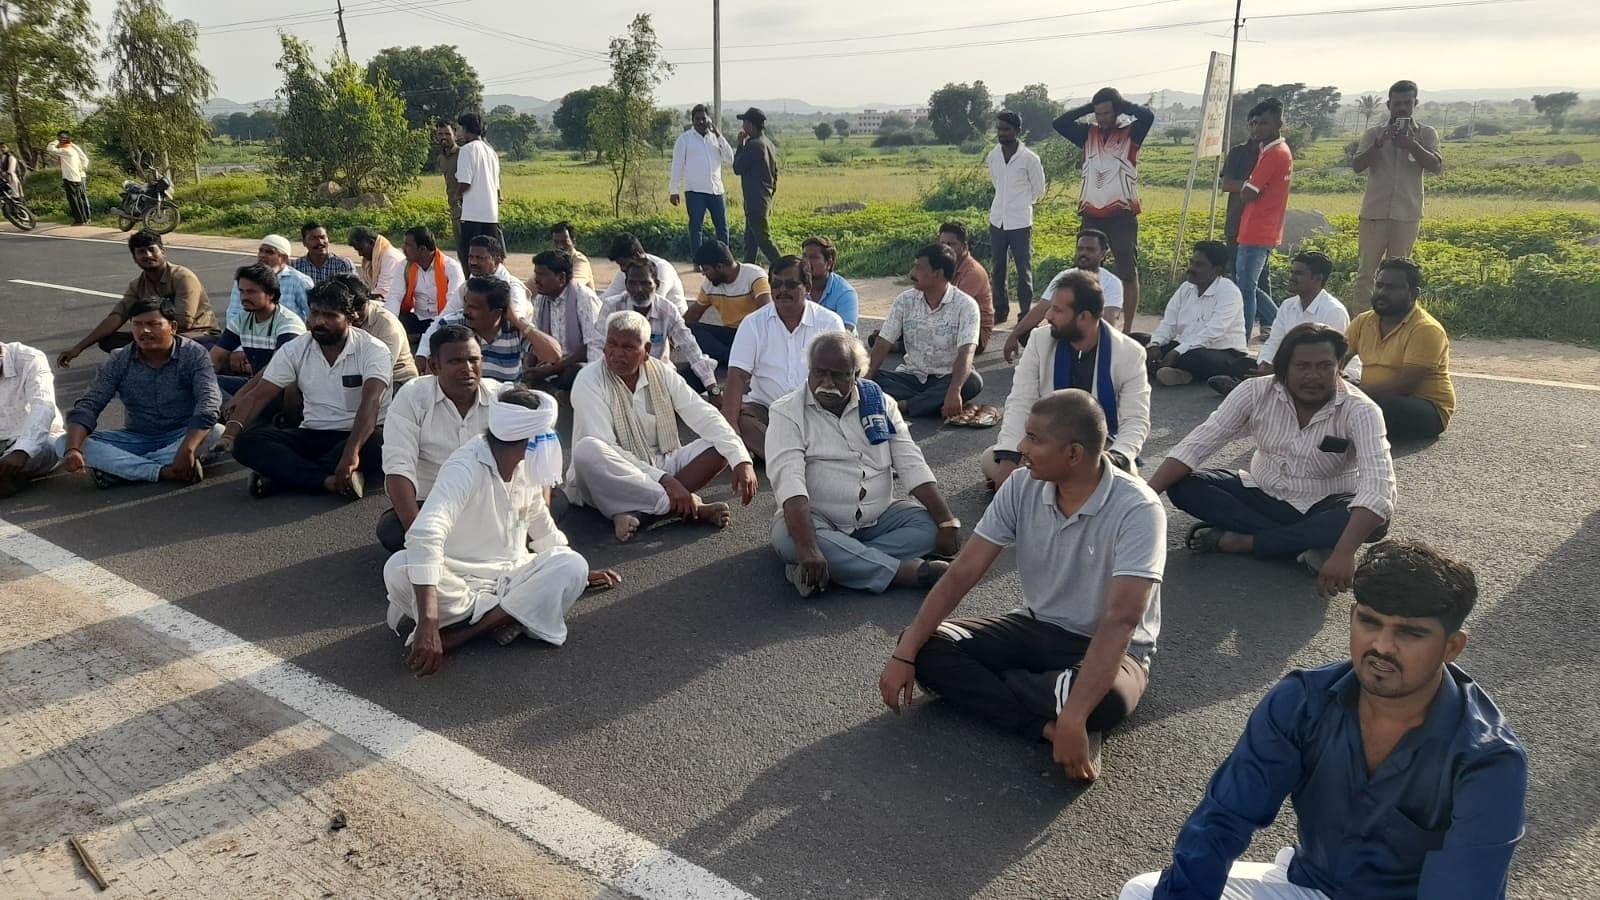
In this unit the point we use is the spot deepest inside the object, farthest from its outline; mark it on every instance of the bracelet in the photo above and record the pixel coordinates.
(232, 422)
(901, 659)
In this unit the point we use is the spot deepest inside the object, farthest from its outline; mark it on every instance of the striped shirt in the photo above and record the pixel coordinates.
(1295, 464)
(331, 267)
(259, 340)
(503, 356)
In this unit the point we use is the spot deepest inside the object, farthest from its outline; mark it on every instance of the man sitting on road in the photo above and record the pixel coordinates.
(937, 326)
(467, 568)
(1310, 302)
(429, 419)
(836, 447)
(1078, 349)
(829, 290)
(970, 278)
(29, 420)
(511, 346)
(375, 319)
(428, 283)
(1321, 482)
(174, 288)
(564, 237)
(1091, 546)
(292, 285)
(256, 332)
(1405, 355)
(1201, 334)
(565, 310)
(626, 250)
(383, 265)
(319, 264)
(1089, 256)
(1405, 778)
(627, 460)
(731, 290)
(343, 374)
(170, 400)
(769, 352)
(485, 259)
(670, 338)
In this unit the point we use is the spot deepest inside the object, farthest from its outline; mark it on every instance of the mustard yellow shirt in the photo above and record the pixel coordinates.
(1419, 340)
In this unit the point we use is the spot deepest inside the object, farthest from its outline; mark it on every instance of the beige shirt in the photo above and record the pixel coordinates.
(827, 459)
(1394, 179)
(386, 327)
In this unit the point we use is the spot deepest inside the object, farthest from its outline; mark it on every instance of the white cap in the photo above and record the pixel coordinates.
(277, 242)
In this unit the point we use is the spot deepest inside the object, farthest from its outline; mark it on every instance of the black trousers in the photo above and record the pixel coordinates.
(299, 458)
(77, 200)
(1410, 418)
(466, 231)
(757, 235)
(925, 399)
(1015, 672)
(1204, 362)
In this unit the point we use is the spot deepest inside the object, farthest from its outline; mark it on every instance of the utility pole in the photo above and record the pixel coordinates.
(344, 40)
(1227, 112)
(716, 63)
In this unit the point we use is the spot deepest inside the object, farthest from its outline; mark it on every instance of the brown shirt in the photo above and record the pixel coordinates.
(1394, 180)
(180, 292)
(972, 280)
(446, 161)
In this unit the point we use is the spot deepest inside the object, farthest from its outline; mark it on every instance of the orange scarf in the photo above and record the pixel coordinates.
(439, 290)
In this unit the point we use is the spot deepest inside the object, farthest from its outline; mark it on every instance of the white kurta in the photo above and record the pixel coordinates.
(470, 542)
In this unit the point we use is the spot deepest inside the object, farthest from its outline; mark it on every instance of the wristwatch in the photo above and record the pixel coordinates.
(951, 522)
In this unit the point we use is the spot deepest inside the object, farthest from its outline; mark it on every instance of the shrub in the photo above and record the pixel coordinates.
(832, 157)
(959, 189)
(895, 139)
(973, 148)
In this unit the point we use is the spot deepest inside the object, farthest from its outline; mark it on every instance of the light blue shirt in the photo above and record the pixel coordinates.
(292, 285)
(839, 296)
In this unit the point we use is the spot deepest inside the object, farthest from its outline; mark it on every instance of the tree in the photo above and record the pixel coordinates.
(823, 131)
(157, 86)
(663, 130)
(1180, 133)
(1314, 110)
(239, 127)
(511, 131)
(621, 120)
(1037, 110)
(1554, 107)
(1367, 106)
(436, 82)
(264, 124)
(337, 127)
(503, 110)
(841, 127)
(572, 118)
(893, 122)
(959, 112)
(47, 57)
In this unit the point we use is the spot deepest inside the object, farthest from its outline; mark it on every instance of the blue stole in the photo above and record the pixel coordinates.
(1105, 393)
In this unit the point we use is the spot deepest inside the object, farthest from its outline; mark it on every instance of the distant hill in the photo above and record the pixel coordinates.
(521, 103)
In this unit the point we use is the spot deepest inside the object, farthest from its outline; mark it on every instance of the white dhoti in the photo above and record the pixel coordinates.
(608, 480)
(537, 595)
(1246, 881)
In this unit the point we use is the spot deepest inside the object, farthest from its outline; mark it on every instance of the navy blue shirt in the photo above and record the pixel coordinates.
(1438, 820)
(183, 393)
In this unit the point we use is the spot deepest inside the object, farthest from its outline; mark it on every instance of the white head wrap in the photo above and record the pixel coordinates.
(510, 422)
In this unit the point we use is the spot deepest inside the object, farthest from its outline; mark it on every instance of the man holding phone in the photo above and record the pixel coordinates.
(1321, 481)
(1394, 157)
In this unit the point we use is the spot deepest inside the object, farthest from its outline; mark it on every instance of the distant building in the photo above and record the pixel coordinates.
(870, 121)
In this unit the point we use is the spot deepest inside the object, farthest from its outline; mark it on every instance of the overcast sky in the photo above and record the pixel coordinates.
(797, 48)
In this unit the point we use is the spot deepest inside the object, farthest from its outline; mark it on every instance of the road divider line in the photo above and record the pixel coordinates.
(123, 243)
(1541, 382)
(624, 860)
(66, 287)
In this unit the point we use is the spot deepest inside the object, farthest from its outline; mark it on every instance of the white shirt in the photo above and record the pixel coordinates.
(1325, 309)
(425, 301)
(668, 284)
(333, 392)
(476, 524)
(391, 275)
(74, 162)
(1213, 320)
(1110, 286)
(457, 304)
(1035, 378)
(424, 427)
(1289, 463)
(670, 337)
(577, 300)
(827, 459)
(29, 419)
(932, 337)
(478, 165)
(697, 162)
(774, 356)
(1018, 185)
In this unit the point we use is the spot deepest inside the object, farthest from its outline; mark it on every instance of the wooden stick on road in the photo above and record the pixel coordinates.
(88, 862)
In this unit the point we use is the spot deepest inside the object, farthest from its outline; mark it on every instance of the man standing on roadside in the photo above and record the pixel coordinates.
(446, 158)
(970, 278)
(74, 175)
(319, 264)
(1235, 171)
(478, 186)
(697, 160)
(756, 164)
(1393, 156)
(1018, 178)
(1265, 197)
(1110, 196)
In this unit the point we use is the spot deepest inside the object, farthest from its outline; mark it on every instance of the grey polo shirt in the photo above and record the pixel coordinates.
(1066, 563)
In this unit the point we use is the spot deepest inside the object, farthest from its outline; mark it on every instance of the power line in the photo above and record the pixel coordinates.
(278, 24)
(548, 46)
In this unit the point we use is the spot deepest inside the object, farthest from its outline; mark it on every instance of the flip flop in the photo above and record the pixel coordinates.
(1207, 542)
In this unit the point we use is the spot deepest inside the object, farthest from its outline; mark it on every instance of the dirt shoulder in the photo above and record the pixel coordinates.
(1510, 357)
(180, 784)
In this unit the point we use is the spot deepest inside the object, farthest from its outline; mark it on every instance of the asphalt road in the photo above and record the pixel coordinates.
(707, 708)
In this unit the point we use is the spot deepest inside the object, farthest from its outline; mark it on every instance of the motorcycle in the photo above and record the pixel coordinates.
(150, 203)
(15, 210)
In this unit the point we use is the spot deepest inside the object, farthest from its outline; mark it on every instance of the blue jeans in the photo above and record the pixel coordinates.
(716, 341)
(1247, 269)
(136, 457)
(868, 558)
(699, 204)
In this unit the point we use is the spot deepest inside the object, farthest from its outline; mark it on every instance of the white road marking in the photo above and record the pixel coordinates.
(627, 862)
(65, 287)
(122, 243)
(1538, 381)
